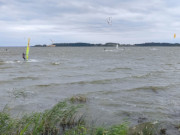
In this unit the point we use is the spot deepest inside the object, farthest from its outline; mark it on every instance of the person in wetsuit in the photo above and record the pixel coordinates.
(23, 55)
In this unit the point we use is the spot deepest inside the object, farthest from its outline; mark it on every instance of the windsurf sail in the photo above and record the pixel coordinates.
(27, 50)
(174, 35)
(117, 46)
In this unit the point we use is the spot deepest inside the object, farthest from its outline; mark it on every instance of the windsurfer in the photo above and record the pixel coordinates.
(23, 55)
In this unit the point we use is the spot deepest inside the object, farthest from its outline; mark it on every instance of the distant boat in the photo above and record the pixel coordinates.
(117, 46)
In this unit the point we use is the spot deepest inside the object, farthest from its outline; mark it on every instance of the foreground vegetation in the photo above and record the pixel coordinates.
(65, 119)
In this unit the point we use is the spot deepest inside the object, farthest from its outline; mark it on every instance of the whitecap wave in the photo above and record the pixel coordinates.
(114, 50)
(55, 63)
(111, 50)
(153, 49)
(9, 62)
(32, 60)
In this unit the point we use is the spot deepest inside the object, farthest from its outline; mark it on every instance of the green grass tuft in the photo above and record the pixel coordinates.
(64, 119)
(51, 122)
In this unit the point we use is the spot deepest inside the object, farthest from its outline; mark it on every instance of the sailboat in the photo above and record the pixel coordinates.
(117, 46)
(27, 50)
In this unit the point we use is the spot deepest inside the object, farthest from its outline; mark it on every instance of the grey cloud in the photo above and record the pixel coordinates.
(86, 17)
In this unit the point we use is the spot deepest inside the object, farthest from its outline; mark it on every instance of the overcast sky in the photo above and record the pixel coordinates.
(132, 21)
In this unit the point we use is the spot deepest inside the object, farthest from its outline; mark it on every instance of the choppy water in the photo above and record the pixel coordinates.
(130, 82)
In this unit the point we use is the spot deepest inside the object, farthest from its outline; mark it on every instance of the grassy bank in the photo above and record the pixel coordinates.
(65, 119)
(54, 121)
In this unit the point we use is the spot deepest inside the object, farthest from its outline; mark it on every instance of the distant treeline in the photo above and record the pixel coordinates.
(158, 44)
(76, 44)
(104, 45)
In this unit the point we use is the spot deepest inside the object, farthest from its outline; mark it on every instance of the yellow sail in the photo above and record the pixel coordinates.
(174, 35)
(27, 50)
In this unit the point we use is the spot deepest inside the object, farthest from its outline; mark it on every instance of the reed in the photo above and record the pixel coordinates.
(51, 122)
(65, 119)
(121, 129)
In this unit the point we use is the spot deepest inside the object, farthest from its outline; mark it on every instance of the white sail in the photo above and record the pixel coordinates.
(117, 46)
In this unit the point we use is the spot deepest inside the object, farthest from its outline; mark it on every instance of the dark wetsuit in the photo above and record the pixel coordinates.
(23, 55)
